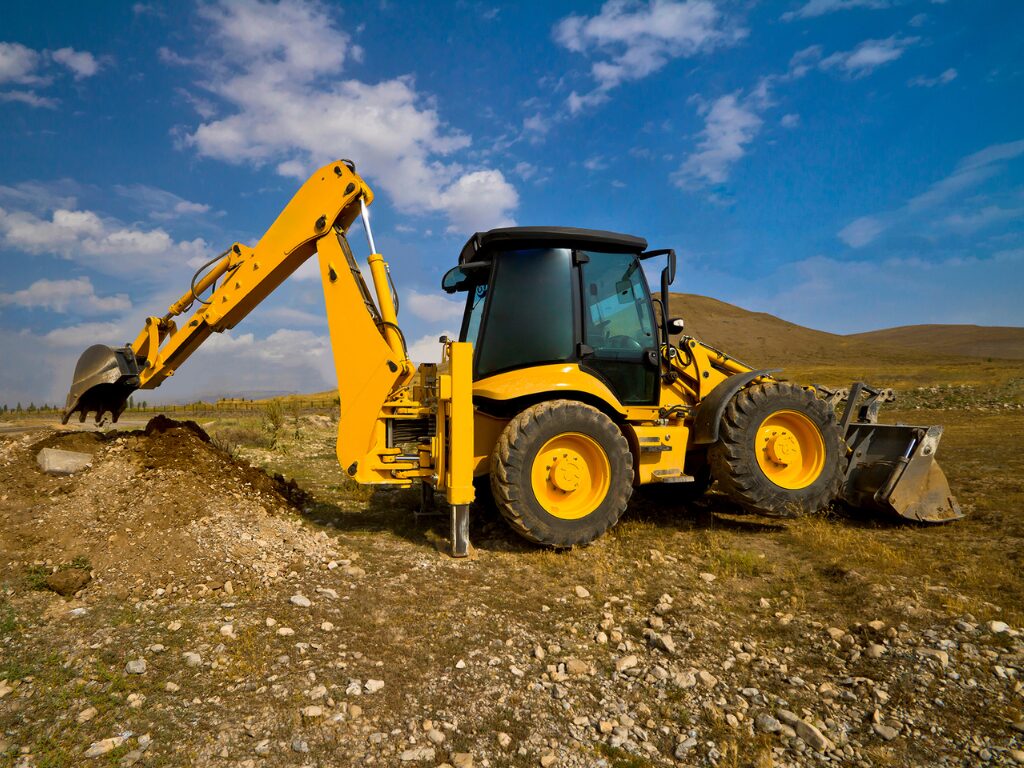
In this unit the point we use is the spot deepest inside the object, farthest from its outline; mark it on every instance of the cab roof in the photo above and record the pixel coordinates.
(518, 238)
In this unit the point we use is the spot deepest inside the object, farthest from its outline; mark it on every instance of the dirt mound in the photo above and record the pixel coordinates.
(159, 508)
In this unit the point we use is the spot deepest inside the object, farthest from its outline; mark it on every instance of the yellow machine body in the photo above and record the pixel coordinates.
(435, 426)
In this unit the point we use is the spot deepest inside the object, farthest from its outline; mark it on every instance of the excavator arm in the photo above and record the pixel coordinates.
(398, 424)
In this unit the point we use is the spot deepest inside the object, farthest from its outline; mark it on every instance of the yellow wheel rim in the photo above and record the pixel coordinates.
(790, 449)
(571, 475)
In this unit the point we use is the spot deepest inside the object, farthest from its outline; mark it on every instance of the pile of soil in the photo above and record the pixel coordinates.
(161, 508)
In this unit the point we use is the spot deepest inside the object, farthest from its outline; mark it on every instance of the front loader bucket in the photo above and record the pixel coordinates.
(104, 379)
(893, 468)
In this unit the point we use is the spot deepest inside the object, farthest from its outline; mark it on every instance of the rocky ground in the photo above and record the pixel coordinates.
(173, 605)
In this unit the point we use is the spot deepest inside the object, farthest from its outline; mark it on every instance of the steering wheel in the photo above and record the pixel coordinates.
(624, 342)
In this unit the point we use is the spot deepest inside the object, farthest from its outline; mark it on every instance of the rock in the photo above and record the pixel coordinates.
(285, 631)
(327, 626)
(766, 723)
(707, 679)
(626, 662)
(548, 760)
(435, 736)
(835, 633)
(174, 626)
(192, 659)
(136, 667)
(462, 760)
(87, 714)
(884, 732)
(1018, 726)
(227, 630)
(684, 679)
(931, 653)
(576, 667)
(504, 740)
(300, 600)
(876, 625)
(605, 726)
(814, 738)
(684, 747)
(172, 687)
(1017, 755)
(417, 754)
(98, 748)
(54, 461)
(135, 700)
(372, 686)
(300, 745)
(997, 627)
(312, 712)
(581, 591)
(262, 747)
(664, 642)
(707, 577)
(68, 581)
(874, 651)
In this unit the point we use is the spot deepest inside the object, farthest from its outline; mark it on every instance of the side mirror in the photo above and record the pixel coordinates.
(675, 326)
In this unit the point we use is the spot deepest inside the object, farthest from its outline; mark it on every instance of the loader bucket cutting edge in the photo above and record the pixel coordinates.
(104, 378)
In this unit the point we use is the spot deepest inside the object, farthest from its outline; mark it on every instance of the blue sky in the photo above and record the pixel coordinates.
(844, 164)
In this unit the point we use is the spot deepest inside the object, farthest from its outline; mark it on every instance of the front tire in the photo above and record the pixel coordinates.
(561, 473)
(779, 451)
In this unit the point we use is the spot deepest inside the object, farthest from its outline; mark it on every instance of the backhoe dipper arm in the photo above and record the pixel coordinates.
(314, 221)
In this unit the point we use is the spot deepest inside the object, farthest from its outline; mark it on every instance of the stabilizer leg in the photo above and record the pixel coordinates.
(460, 530)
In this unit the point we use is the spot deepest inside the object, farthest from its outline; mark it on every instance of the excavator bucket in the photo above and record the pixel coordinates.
(892, 468)
(104, 379)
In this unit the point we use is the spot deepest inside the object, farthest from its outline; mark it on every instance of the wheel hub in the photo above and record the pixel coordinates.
(782, 447)
(566, 472)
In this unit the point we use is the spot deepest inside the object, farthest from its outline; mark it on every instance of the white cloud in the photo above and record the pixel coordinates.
(595, 163)
(31, 98)
(103, 244)
(630, 40)
(730, 124)
(280, 73)
(984, 217)
(930, 82)
(427, 349)
(862, 231)
(814, 8)
(18, 64)
(160, 204)
(868, 55)
(76, 295)
(23, 66)
(525, 170)
(792, 120)
(478, 201)
(82, 64)
(969, 172)
(433, 308)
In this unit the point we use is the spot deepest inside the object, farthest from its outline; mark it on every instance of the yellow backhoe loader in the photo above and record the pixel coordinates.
(566, 389)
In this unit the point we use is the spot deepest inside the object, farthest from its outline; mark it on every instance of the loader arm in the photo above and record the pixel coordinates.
(386, 404)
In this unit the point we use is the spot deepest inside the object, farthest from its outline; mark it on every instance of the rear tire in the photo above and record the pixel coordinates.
(779, 451)
(561, 473)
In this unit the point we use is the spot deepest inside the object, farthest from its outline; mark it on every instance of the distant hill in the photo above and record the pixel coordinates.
(763, 340)
(1002, 342)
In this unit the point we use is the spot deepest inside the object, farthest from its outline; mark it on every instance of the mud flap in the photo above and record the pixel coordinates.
(892, 468)
(104, 379)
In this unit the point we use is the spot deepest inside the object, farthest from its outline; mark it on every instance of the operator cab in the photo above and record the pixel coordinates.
(542, 295)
